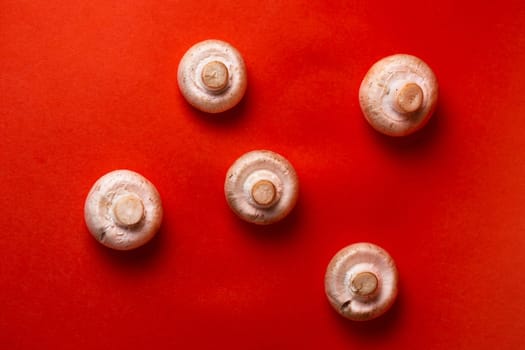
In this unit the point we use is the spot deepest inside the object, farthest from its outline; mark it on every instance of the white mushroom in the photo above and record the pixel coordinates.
(361, 281)
(261, 187)
(123, 210)
(398, 95)
(212, 76)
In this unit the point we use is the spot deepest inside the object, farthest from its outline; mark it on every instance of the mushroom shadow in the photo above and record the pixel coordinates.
(224, 119)
(283, 231)
(417, 144)
(373, 330)
(141, 258)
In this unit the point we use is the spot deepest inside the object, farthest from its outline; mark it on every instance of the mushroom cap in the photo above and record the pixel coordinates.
(379, 95)
(212, 55)
(247, 180)
(358, 260)
(123, 210)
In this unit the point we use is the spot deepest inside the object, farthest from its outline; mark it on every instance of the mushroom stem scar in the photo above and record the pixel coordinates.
(215, 76)
(128, 210)
(364, 284)
(410, 98)
(264, 192)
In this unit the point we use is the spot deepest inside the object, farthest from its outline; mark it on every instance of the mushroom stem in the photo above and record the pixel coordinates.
(128, 210)
(264, 193)
(215, 76)
(409, 98)
(364, 284)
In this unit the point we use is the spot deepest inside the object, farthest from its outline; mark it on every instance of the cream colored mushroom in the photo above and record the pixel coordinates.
(398, 95)
(261, 187)
(212, 76)
(123, 210)
(361, 281)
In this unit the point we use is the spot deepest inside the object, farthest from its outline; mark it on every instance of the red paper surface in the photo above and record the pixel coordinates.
(87, 87)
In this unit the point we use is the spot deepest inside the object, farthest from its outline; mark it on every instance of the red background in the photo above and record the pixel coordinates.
(90, 86)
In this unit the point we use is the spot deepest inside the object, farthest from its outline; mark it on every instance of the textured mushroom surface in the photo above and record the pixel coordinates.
(212, 76)
(123, 210)
(261, 187)
(361, 281)
(398, 95)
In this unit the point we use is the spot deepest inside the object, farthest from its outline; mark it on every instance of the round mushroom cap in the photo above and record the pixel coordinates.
(361, 281)
(123, 210)
(261, 187)
(212, 76)
(398, 95)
